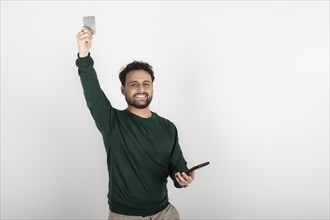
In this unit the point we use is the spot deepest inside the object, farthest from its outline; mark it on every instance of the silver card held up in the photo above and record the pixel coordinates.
(89, 21)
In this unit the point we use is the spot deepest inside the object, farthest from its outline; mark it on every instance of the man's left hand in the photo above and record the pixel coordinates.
(183, 179)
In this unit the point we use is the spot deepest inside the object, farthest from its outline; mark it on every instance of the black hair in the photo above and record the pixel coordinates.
(135, 65)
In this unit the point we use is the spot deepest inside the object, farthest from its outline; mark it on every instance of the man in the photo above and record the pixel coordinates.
(142, 147)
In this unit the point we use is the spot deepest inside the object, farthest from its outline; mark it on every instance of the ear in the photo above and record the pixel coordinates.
(122, 89)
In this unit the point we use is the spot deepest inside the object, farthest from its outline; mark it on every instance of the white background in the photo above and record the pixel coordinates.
(246, 83)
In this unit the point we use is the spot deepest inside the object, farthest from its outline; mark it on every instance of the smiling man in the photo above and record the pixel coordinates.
(142, 147)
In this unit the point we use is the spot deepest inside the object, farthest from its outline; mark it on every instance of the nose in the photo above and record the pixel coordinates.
(141, 88)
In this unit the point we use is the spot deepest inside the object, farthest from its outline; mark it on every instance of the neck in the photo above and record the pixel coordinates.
(144, 113)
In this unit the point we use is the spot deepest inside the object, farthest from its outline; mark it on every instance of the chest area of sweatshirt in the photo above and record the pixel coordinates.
(145, 139)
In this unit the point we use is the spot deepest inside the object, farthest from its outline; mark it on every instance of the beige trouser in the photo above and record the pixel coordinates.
(169, 213)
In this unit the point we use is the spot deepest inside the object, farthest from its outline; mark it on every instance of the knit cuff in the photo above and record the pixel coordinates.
(84, 62)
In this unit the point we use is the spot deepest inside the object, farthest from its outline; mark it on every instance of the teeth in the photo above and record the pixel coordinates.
(140, 96)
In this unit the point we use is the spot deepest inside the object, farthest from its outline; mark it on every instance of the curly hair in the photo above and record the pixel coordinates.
(135, 65)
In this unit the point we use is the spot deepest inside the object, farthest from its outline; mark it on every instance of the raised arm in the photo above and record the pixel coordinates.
(97, 102)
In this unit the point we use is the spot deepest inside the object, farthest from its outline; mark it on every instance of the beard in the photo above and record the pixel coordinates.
(138, 104)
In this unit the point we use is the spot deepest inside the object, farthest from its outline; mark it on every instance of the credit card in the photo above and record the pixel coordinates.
(89, 21)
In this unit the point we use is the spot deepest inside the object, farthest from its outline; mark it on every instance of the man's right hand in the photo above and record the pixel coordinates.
(84, 40)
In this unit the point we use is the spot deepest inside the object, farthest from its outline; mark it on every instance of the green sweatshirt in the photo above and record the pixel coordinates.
(141, 152)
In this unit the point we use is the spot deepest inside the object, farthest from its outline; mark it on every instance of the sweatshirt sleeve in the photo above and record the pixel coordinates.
(177, 161)
(97, 102)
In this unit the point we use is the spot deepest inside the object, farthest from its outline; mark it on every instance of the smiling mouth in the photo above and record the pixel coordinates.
(140, 95)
